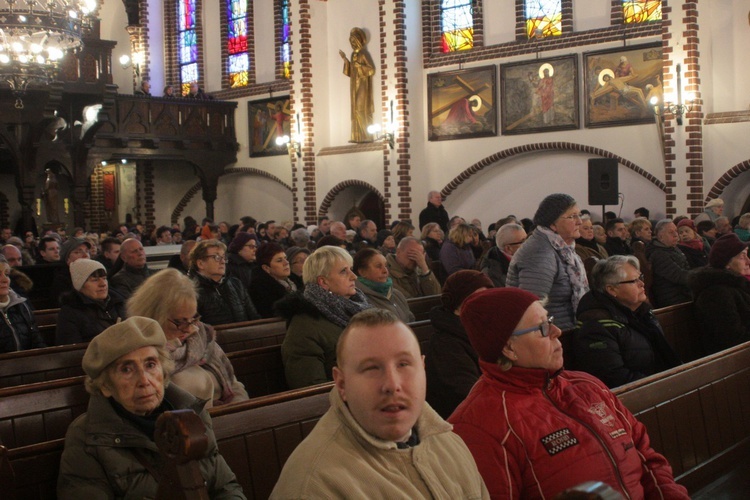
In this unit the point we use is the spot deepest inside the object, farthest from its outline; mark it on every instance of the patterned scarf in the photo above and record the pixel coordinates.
(337, 309)
(573, 264)
(202, 350)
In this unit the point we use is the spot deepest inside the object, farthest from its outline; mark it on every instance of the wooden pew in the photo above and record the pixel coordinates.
(39, 365)
(247, 335)
(697, 414)
(682, 330)
(46, 320)
(39, 412)
(421, 306)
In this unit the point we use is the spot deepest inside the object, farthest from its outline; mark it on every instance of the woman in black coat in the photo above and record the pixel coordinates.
(91, 307)
(619, 339)
(722, 295)
(18, 329)
(271, 279)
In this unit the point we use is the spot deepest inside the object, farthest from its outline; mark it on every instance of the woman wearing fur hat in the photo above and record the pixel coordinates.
(535, 430)
(451, 363)
(18, 331)
(691, 245)
(722, 295)
(110, 450)
(201, 366)
(547, 264)
(91, 307)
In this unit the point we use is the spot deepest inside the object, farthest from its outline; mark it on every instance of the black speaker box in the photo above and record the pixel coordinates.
(603, 182)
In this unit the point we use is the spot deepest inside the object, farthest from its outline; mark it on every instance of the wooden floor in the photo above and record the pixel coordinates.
(732, 486)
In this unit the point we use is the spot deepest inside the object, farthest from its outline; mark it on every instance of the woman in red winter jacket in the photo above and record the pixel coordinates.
(535, 430)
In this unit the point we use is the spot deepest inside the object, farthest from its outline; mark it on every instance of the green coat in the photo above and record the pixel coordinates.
(98, 460)
(309, 347)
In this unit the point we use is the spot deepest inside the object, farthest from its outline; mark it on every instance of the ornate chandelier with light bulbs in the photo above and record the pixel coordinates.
(34, 36)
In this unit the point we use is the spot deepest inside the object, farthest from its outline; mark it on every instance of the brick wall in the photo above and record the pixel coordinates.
(403, 143)
(303, 66)
(693, 120)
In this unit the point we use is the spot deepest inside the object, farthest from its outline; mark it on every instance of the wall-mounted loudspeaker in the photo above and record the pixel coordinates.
(603, 182)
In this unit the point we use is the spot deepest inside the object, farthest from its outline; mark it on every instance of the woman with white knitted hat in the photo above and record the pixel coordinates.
(91, 307)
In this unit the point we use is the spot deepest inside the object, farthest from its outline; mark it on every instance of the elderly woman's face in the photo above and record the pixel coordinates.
(600, 234)
(182, 322)
(629, 291)
(4, 281)
(376, 269)
(568, 225)
(137, 381)
(532, 350)
(740, 263)
(96, 287)
(340, 279)
(686, 234)
(587, 230)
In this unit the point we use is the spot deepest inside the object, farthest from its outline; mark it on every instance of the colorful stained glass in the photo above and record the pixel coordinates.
(286, 53)
(188, 45)
(456, 25)
(543, 18)
(640, 11)
(238, 61)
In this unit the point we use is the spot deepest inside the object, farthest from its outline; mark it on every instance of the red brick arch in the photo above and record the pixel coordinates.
(196, 188)
(731, 174)
(507, 154)
(335, 190)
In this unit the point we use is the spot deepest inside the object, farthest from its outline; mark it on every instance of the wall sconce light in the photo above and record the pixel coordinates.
(126, 62)
(676, 107)
(390, 129)
(294, 143)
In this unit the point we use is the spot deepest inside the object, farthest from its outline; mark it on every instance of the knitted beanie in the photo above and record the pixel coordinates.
(490, 316)
(725, 249)
(292, 252)
(240, 241)
(81, 269)
(120, 339)
(551, 208)
(460, 285)
(70, 245)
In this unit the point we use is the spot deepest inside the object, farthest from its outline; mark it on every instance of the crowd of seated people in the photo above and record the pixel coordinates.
(315, 281)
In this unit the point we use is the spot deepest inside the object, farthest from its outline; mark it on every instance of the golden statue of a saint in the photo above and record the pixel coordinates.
(359, 69)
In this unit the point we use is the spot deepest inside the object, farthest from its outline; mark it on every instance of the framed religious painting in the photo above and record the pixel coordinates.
(539, 95)
(461, 104)
(268, 119)
(620, 83)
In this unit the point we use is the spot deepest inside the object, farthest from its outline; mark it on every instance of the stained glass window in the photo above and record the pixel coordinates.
(188, 41)
(543, 18)
(456, 25)
(238, 60)
(639, 11)
(285, 56)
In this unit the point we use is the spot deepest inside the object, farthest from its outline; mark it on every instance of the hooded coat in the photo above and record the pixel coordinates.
(18, 329)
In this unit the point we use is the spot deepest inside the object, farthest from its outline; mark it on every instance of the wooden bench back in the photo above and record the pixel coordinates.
(39, 412)
(46, 320)
(421, 306)
(697, 414)
(682, 330)
(39, 365)
(259, 333)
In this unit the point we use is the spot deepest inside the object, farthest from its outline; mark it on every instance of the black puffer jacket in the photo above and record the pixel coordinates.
(265, 290)
(18, 330)
(451, 363)
(615, 344)
(722, 304)
(670, 269)
(81, 318)
(225, 301)
(495, 265)
(240, 269)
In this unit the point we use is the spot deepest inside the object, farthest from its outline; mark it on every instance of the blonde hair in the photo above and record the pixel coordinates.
(200, 251)
(320, 262)
(459, 233)
(161, 294)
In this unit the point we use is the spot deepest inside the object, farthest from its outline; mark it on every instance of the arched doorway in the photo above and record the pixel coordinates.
(360, 198)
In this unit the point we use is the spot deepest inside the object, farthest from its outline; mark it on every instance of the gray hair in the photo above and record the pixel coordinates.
(300, 237)
(505, 233)
(659, 227)
(406, 240)
(611, 271)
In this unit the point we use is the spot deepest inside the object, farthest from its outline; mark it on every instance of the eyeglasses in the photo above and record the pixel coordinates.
(218, 258)
(571, 217)
(96, 279)
(628, 282)
(516, 243)
(544, 328)
(183, 325)
(251, 245)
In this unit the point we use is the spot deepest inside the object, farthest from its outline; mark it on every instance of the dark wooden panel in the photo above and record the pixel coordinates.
(421, 306)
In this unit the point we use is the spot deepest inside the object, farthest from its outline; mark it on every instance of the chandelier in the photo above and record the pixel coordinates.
(34, 36)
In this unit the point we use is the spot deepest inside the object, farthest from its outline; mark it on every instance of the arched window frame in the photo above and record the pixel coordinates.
(282, 39)
(432, 9)
(566, 7)
(619, 7)
(172, 43)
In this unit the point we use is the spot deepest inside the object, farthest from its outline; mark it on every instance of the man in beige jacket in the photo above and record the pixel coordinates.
(380, 439)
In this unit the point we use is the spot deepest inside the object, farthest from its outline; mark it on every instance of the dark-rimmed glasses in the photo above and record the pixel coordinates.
(183, 325)
(218, 258)
(628, 282)
(544, 328)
